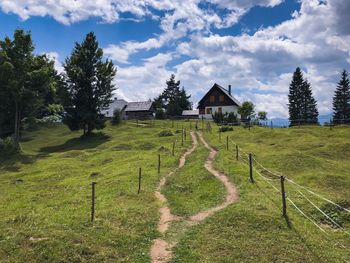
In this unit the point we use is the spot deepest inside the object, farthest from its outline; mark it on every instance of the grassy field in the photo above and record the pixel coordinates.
(253, 229)
(45, 196)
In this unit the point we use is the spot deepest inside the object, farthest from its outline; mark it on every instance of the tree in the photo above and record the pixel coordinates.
(302, 105)
(247, 110)
(173, 99)
(88, 86)
(341, 100)
(24, 79)
(117, 117)
(262, 115)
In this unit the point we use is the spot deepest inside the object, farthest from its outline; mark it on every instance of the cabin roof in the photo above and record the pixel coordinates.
(139, 106)
(190, 112)
(225, 91)
(118, 104)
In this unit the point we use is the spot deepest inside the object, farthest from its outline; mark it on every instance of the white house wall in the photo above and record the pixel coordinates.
(224, 109)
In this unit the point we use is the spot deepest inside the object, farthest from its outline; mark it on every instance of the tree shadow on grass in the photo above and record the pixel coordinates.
(80, 143)
(13, 163)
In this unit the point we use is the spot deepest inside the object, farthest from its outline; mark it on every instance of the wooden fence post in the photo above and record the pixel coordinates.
(139, 190)
(158, 163)
(284, 204)
(173, 152)
(271, 125)
(182, 137)
(226, 142)
(251, 168)
(185, 134)
(236, 152)
(93, 201)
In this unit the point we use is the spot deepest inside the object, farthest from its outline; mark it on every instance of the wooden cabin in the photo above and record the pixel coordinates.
(218, 99)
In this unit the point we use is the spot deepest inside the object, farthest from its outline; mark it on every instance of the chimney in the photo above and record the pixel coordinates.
(229, 89)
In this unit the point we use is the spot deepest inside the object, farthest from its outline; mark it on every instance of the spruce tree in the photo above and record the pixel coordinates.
(173, 99)
(294, 97)
(88, 85)
(341, 100)
(309, 105)
(302, 105)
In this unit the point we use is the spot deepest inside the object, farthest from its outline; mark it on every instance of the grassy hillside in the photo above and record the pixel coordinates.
(45, 195)
(253, 230)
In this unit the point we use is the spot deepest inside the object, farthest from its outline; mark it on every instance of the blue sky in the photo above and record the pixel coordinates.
(252, 45)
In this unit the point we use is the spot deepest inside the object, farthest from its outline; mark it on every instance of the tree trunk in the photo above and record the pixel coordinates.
(17, 123)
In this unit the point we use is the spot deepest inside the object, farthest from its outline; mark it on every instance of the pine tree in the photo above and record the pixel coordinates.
(309, 105)
(173, 99)
(302, 105)
(88, 85)
(341, 100)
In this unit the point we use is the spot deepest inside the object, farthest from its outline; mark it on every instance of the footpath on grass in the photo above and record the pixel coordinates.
(161, 250)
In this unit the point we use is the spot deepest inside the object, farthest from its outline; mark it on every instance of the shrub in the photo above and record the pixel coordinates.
(165, 133)
(225, 128)
(8, 146)
(231, 118)
(218, 117)
(117, 117)
(160, 114)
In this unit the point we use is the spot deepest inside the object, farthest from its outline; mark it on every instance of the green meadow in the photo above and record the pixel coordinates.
(45, 195)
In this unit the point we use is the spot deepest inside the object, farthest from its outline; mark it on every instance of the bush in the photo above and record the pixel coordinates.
(225, 128)
(8, 146)
(218, 117)
(231, 118)
(160, 114)
(117, 117)
(165, 133)
(32, 123)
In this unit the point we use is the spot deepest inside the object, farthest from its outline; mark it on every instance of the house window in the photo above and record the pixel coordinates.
(212, 98)
(209, 111)
(221, 98)
(220, 110)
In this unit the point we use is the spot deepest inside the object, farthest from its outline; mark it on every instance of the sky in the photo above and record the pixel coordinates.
(253, 45)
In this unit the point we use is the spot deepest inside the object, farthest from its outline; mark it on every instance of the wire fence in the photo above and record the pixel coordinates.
(272, 177)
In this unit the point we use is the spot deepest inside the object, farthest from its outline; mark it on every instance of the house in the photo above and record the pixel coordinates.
(218, 99)
(190, 114)
(140, 110)
(117, 104)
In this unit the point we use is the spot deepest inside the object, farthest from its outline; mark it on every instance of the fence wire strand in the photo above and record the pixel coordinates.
(319, 196)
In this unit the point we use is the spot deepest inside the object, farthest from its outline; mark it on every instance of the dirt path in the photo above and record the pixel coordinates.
(232, 193)
(161, 250)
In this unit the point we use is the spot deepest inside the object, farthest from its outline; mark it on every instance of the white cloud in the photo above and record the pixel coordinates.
(259, 66)
(55, 57)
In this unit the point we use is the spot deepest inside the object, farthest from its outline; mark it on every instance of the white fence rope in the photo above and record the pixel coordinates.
(300, 211)
(324, 213)
(319, 196)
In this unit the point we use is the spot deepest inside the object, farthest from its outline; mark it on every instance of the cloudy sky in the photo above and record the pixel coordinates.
(254, 45)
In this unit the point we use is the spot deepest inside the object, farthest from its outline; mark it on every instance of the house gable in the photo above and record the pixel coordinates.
(217, 96)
